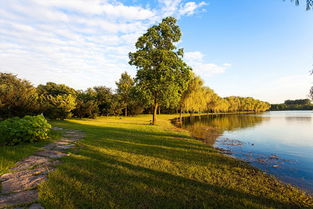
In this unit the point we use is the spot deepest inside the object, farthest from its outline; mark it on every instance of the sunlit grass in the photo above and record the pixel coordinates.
(126, 163)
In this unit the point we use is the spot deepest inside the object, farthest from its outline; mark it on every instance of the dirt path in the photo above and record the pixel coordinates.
(19, 187)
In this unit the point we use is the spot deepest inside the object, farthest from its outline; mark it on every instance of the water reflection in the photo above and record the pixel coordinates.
(210, 127)
(280, 143)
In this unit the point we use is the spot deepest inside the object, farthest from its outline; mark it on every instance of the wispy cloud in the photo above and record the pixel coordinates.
(77, 42)
(196, 60)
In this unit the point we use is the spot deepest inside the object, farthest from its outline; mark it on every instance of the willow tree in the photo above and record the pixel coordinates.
(193, 99)
(162, 74)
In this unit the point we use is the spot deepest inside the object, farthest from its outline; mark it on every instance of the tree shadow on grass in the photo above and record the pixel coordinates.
(165, 147)
(123, 168)
(103, 182)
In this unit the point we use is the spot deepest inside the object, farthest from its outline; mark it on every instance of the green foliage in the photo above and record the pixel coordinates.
(86, 104)
(54, 89)
(17, 97)
(104, 99)
(198, 98)
(57, 100)
(58, 107)
(124, 88)
(162, 75)
(299, 104)
(29, 129)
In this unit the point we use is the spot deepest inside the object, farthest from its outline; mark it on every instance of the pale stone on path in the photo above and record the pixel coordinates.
(12, 199)
(31, 162)
(51, 154)
(64, 147)
(19, 174)
(24, 180)
(57, 129)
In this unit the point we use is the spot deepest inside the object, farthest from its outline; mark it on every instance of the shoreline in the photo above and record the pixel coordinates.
(231, 153)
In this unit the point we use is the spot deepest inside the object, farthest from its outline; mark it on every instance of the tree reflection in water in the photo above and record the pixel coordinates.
(209, 127)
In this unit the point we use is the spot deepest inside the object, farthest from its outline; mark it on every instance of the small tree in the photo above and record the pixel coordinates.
(86, 104)
(104, 99)
(124, 87)
(162, 75)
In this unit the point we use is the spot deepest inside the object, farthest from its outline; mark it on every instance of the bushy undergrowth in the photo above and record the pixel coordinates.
(29, 129)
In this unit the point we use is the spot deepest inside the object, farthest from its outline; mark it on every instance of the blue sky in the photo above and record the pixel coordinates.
(259, 48)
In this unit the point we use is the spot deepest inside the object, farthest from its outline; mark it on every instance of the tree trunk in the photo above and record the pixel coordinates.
(155, 113)
(181, 115)
(126, 111)
(159, 110)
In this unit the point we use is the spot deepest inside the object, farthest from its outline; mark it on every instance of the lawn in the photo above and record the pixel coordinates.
(126, 163)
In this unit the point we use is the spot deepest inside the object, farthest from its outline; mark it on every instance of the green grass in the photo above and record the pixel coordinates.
(125, 163)
(9, 155)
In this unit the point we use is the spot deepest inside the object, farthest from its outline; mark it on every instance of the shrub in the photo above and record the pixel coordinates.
(29, 129)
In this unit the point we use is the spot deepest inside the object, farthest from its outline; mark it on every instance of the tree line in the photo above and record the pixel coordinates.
(18, 97)
(298, 104)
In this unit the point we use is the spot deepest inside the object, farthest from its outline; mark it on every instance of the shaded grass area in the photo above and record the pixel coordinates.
(125, 163)
(9, 155)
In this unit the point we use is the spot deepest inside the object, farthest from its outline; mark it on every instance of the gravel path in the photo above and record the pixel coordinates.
(19, 187)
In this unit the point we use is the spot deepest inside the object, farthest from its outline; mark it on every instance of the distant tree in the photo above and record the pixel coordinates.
(17, 97)
(298, 102)
(54, 89)
(57, 100)
(86, 104)
(116, 107)
(311, 93)
(162, 75)
(124, 88)
(104, 99)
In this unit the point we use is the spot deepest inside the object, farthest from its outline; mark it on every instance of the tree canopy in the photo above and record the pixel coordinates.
(17, 96)
(162, 74)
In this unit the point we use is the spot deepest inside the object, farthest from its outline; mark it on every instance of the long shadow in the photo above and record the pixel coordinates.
(123, 185)
(165, 146)
(92, 178)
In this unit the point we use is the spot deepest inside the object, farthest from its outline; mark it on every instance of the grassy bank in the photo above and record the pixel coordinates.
(9, 155)
(126, 163)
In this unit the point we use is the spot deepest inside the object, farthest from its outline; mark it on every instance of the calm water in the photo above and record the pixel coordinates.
(280, 143)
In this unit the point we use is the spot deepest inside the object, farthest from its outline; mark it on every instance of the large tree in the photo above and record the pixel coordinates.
(162, 74)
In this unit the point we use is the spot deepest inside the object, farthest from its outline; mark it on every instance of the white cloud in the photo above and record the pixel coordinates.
(81, 43)
(190, 7)
(178, 8)
(196, 60)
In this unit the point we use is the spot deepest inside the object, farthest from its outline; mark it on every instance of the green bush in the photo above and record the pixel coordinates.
(29, 129)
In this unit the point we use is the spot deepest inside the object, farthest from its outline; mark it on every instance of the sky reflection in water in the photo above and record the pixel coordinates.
(280, 143)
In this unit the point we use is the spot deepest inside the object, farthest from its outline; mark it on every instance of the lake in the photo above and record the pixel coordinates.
(279, 143)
